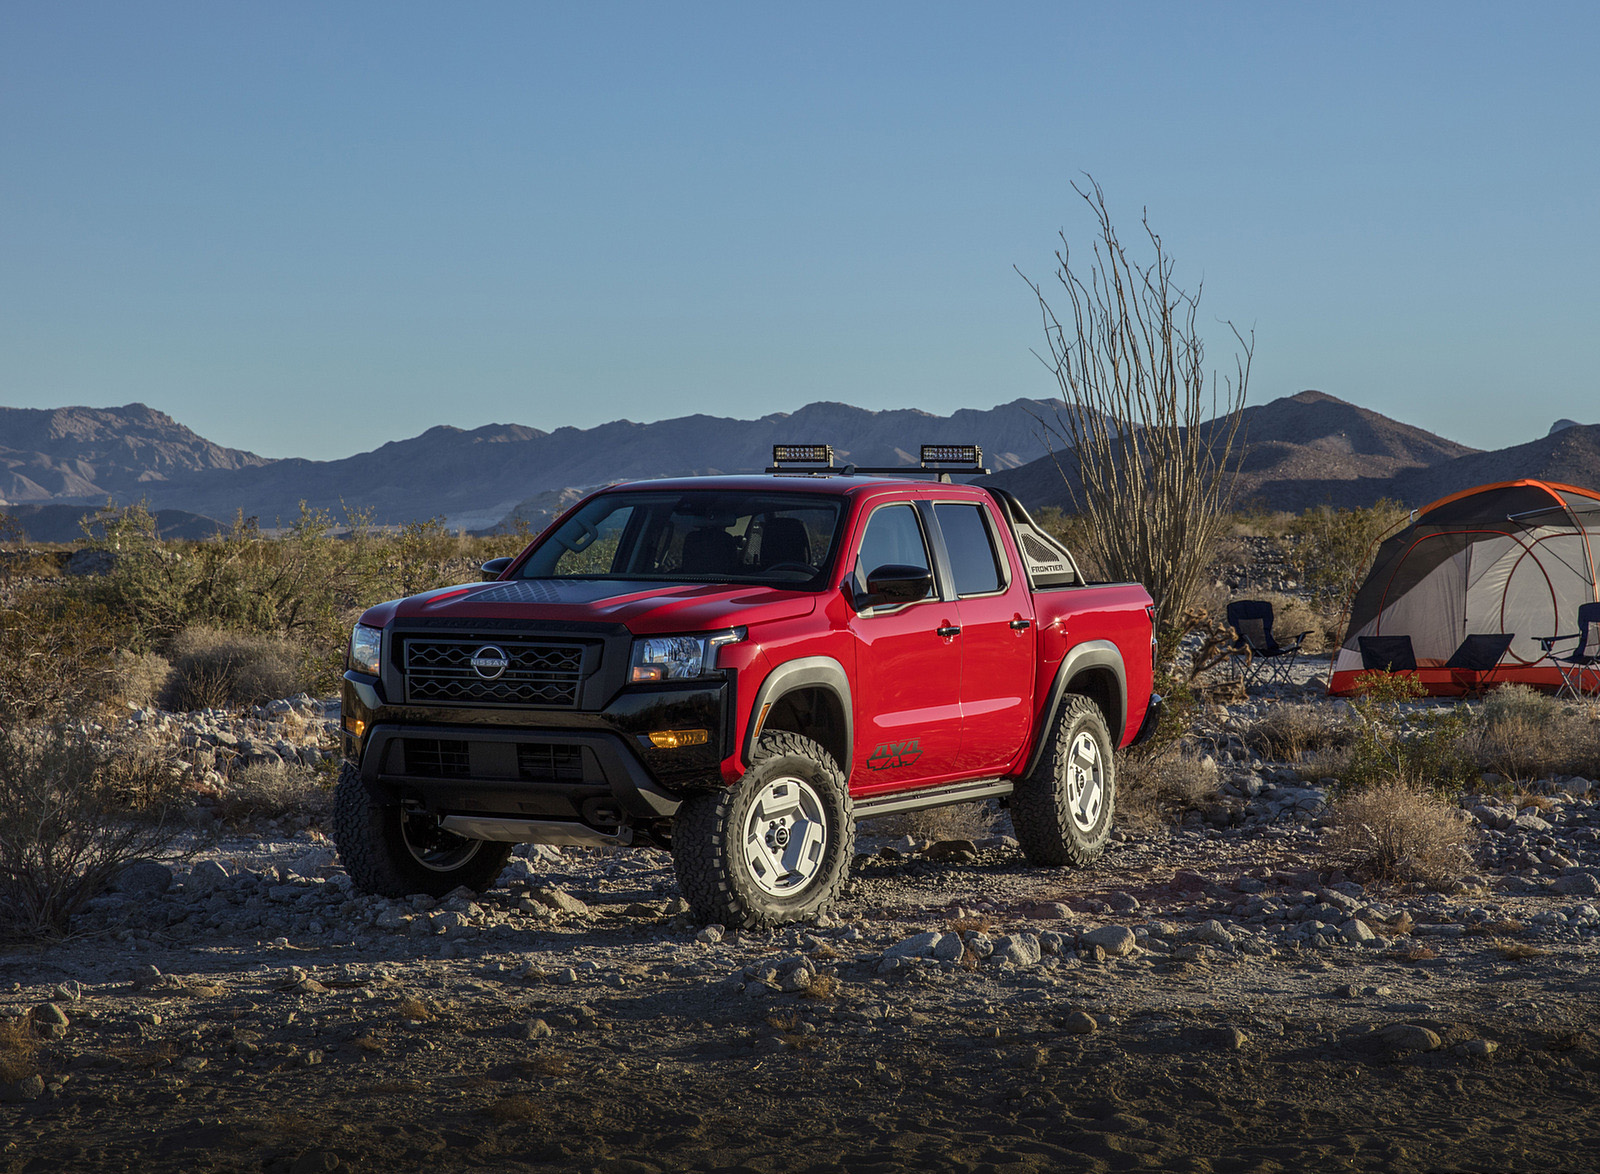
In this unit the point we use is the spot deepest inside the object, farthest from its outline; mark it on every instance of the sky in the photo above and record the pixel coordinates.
(309, 229)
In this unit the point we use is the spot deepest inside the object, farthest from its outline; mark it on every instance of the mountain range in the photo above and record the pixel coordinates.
(1300, 450)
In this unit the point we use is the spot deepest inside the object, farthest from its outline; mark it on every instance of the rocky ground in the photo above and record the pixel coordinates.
(1212, 996)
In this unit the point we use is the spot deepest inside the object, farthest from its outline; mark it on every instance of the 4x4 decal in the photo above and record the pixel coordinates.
(887, 754)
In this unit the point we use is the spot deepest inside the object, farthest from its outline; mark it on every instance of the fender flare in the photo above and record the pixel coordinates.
(1090, 654)
(806, 672)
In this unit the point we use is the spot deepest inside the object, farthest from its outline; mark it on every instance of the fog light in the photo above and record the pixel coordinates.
(677, 739)
(355, 726)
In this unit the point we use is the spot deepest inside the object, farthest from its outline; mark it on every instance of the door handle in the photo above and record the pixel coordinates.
(949, 630)
(1021, 625)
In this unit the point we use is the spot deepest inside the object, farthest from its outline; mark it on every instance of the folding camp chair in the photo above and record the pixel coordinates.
(1472, 665)
(1586, 655)
(1387, 654)
(1256, 653)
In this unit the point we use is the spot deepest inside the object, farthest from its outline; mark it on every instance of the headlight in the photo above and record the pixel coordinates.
(365, 645)
(678, 658)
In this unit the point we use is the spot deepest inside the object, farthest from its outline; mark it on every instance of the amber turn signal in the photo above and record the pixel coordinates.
(677, 739)
(355, 726)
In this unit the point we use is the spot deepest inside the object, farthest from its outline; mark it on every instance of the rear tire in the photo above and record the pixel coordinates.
(773, 848)
(391, 852)
(1062, 811)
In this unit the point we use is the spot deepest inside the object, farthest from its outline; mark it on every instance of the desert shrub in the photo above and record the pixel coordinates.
(266, 791)
(56, 656)
(1523, 734)
(65, 824)
(1387, 744)
(1331, 549)
(212, 668)
(1161, 787)
(1259, 521)
(1289, 732)
(141, 677)
(1399, 829)
(1518, 704)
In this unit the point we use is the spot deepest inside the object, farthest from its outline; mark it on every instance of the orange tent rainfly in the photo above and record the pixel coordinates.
(1461, 597)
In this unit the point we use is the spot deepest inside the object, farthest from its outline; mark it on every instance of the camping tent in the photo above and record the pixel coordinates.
(1514, 558)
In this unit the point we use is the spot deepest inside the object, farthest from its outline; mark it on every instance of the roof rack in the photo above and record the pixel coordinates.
(816, 460)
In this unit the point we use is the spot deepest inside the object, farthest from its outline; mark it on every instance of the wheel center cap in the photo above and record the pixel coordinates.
(778, 837)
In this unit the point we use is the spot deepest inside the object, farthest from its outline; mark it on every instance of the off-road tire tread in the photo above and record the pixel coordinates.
(361, 832)
(1039, 813)
(705, 831)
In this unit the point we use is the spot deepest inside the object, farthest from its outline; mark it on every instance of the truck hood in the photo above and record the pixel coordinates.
(644, 607)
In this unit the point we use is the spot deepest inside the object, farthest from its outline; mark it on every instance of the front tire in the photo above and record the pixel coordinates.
(1062, 810)
(391, 852)
(773, 848)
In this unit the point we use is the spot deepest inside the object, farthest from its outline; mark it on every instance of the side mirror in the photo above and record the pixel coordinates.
(494, 568)
(894, 584)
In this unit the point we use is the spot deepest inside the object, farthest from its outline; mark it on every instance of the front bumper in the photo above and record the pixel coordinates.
(597, 768)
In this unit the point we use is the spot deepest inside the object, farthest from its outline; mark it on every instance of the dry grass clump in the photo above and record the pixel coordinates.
(19, 1050)
(1289, 732)
(266, 791)
(414, 1010)
(1398, 830)
(1162, 787)
(1524, 734)
(212, 668)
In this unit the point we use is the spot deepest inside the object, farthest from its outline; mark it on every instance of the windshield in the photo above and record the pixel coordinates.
(782, 539)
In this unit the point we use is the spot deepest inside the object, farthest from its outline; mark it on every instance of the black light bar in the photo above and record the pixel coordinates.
(802, 454)
(952, 454)
(816, 460)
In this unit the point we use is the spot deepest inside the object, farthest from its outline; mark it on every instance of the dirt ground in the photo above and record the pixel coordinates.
(616, 1036)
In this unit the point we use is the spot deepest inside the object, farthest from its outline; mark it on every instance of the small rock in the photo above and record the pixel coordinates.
(1123, 902)
(70, 991)
(1214, 933)
(315, 1162)
(1578, 884)
(710, 935)
(1403, 1038)
(916, 946)
(559, 900)
(955, 851)
(1357, 933)
(50, 1021)
(534, 1029)
(29, 1088)
(1093, 953)
(208, 875)
(949, 948)
(1527, 821)
(143, 877)
(1476, 1049)
(1117, 940)
(393, 917)
(1229, 1038)
(1080, 1023)
(1018, 950)
(313, 862)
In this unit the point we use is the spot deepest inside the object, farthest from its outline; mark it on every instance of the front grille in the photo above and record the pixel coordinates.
(437, 758)
(441, 671)
(550, 763)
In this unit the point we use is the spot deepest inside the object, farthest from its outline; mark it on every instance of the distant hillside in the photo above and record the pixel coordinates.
(1570, 456)
(475, 478)
(89, 454)
(61, 523)
(1301, 450)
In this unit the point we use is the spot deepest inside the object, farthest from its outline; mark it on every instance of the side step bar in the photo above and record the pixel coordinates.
(535, 831)
(941, 796)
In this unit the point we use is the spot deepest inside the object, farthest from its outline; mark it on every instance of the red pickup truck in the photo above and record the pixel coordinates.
(738, 669)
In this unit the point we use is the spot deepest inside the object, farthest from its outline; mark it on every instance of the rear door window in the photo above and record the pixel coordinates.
(974, 561)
